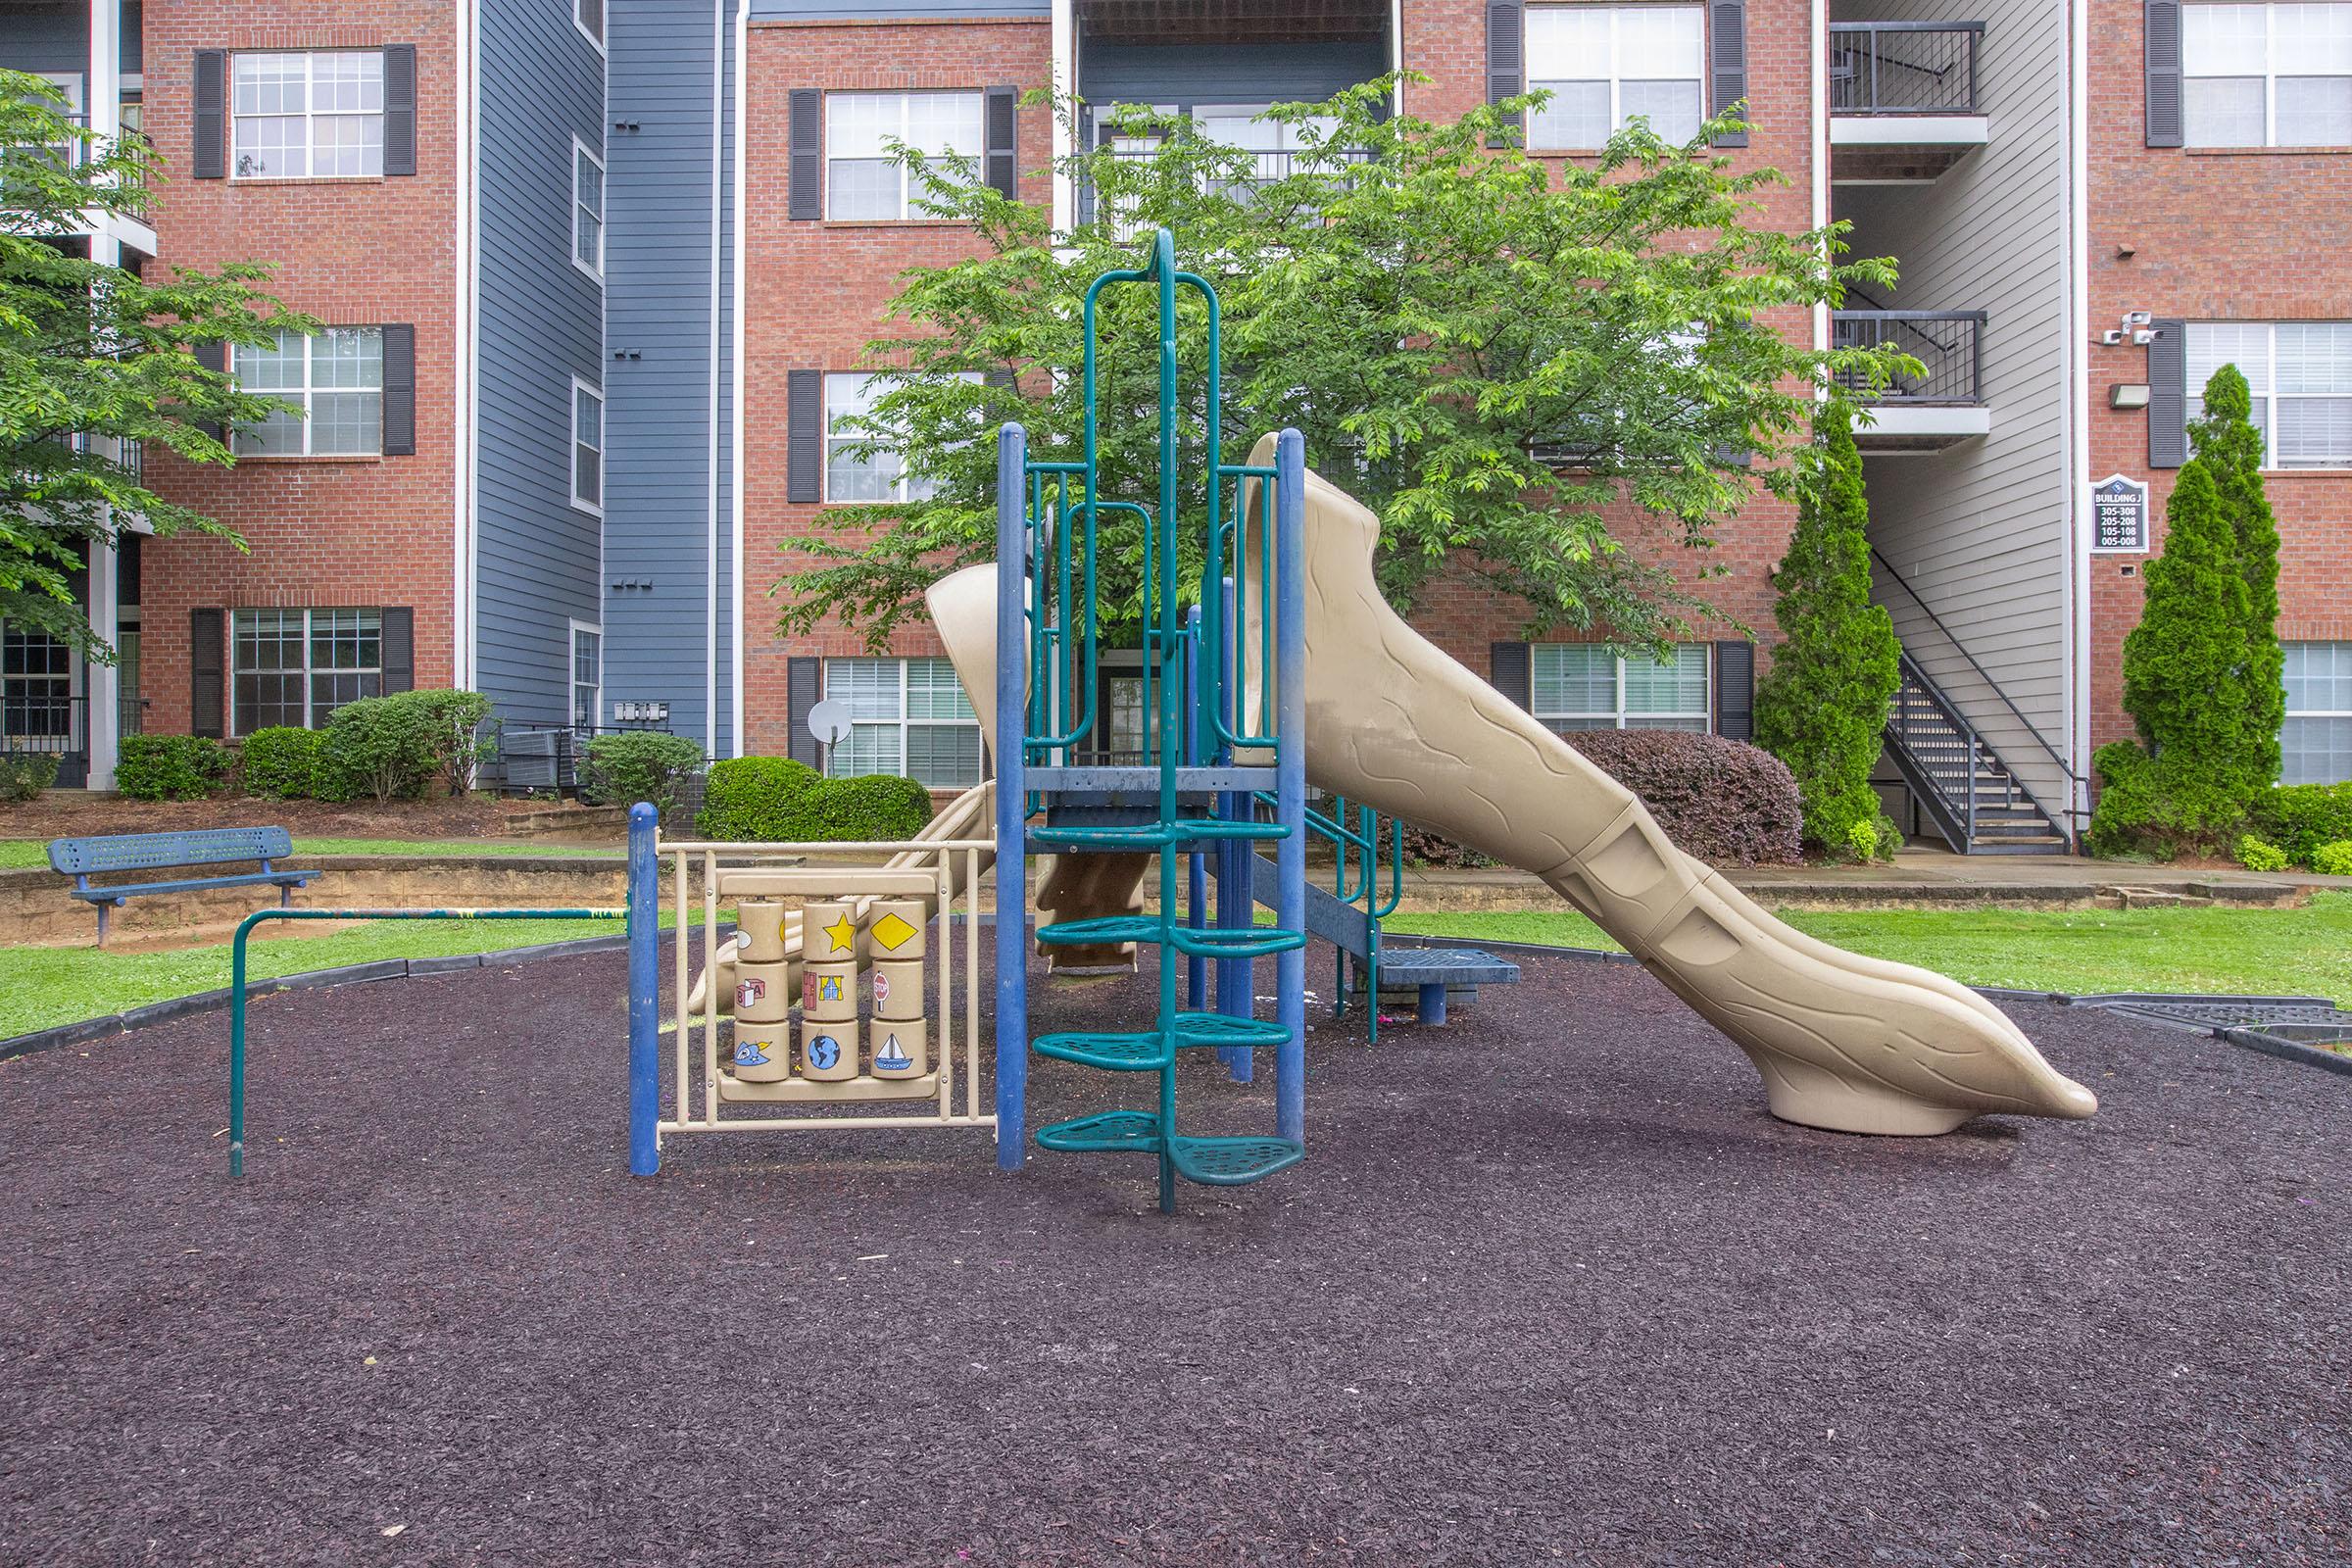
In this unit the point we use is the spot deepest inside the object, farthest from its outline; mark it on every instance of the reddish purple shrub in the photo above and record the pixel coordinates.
(1721, 800)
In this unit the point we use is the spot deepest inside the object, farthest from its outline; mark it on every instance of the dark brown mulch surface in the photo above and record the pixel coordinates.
(1550, 1286)
(71, 814)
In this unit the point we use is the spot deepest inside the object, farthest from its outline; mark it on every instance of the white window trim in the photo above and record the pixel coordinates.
(2271, 396)
(581, 28)
(2291, 713)
(1616, 78)
(572, 452)
(303, 393)
(2270, 74)
(310, 111)
(310, 672)
(902, 723)
(604, 226)
(572, 670)
(1705, 716)
(907, 213)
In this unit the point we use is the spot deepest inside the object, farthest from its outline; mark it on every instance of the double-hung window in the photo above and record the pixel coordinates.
(876, 475)
(335, 380)
(587, 675)
(2267, 76)
(36, 691)
(1589, 686)
(589, 17)
(1605, 65)
(297, 666)
(861, 178)
(2300, 375)
(308, 115)
(2316, 745)
(587, 210)
(587, 447)
(908, 716)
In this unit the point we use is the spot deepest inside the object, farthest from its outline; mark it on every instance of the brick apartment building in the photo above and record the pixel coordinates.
(2093, 206)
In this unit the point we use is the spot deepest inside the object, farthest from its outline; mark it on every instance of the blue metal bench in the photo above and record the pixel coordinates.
(83, 858)
(1430, 970)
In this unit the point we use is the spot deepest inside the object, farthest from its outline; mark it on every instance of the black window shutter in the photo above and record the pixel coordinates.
(400, 391)
(805, 201)
(400, 109)
(208, 708)
(210, 155)
(802, 682)
(998, 377)
(400, 651)
(214, 357)
(1506, 50)
(1727, 24)
(1735, 690)
(1004, 162)
(2162, 27)
(1508, 663)
(2168, 396)
(803, 436)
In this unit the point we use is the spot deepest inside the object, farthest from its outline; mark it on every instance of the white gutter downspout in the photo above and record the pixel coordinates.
(736, 422)
(466, 394)
(2078, 433)
(1819, 78)
(719, 104)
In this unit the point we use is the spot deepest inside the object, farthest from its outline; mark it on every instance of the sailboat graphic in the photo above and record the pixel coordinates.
(892, 1056)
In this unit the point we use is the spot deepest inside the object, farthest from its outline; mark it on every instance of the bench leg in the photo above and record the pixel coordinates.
(104, 909)
(1431, 1005)
(285, 896)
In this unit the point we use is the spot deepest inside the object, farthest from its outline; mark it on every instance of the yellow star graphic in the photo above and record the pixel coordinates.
(843, 935)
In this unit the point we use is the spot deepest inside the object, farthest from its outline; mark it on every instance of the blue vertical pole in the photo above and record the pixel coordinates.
(645, 993)
(1237, 901)
(1195, 915)
(1012, 866)
(1290, 780)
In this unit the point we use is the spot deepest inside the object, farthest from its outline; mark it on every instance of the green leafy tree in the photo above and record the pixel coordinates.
(96, 361)
(2230, 447)
(1500, 357)
(2187, 782)
(1822, 708)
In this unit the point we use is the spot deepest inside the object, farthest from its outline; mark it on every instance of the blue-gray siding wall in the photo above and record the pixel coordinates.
(49, 38)
(1221, 73)
(657, 505)
(541, 324)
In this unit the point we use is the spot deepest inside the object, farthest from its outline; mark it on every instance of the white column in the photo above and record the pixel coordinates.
(102, 684)
(104, 100)
(1066, 101)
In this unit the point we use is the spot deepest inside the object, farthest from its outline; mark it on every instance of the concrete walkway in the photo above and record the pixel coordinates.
(1919, 875)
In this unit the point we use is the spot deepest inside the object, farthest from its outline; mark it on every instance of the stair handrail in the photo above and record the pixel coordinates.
(1981, 675)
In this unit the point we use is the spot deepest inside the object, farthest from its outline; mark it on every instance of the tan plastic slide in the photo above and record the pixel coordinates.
(1844, 1042)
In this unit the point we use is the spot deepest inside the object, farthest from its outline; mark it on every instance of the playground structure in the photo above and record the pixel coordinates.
(1288, 666)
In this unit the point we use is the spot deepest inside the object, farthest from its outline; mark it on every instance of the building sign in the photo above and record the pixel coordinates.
(2118, 516)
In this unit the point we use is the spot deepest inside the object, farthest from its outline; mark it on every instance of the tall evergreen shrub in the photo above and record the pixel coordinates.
(1822, 708)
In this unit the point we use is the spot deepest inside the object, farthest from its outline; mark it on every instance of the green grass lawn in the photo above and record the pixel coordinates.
(49, 986)
(19, 853)
(2306, 952)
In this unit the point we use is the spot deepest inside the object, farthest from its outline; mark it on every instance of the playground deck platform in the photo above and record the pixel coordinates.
(1550, 1286)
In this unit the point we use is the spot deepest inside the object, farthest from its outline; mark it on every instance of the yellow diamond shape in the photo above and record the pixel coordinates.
(892, 932)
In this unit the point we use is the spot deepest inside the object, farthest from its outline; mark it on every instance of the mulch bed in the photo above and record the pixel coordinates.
(1550, 1286)
(71, 814)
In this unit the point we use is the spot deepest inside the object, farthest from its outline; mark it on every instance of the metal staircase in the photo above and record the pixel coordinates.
(1976, 801)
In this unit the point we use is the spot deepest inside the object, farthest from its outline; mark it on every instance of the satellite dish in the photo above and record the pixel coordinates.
(829, 721)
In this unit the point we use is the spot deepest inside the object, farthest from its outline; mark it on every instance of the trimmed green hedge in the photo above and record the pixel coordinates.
(774, 799)
(171, 767)
(278, 763)
(23, 777)
(2301, 817)
(639, 765)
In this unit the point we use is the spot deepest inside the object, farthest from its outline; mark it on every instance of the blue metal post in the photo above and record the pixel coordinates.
(645, 1000)
(1012, 866)
(1289, 659)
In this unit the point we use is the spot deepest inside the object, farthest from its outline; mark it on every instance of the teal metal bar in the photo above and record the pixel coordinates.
(236, 981)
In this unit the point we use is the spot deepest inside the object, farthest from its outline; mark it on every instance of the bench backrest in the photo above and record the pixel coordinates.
(141, 852)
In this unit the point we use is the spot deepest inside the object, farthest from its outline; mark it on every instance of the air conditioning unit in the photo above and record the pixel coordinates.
(537, 759)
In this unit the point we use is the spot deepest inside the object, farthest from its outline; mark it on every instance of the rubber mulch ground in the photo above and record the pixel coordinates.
(1550, 1286)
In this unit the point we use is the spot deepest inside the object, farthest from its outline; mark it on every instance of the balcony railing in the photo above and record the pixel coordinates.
(1266, 169)
(39, 723)
(1950, 345)
(1904, 67)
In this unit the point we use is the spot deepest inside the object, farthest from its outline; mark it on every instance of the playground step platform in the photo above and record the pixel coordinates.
(1248, 942)
(1106, 1131)
(1144, 838)
(1139, 1051)
(1232, 1161)
(1430, 972)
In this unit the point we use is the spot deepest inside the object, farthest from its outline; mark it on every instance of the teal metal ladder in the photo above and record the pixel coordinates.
(1048, 622)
